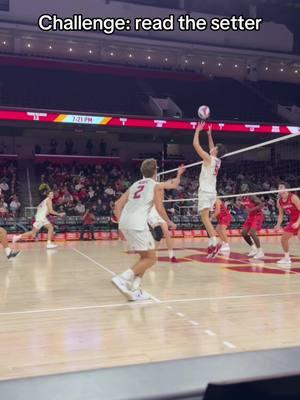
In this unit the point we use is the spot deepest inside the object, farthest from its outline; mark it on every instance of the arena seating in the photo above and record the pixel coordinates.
(286, 94)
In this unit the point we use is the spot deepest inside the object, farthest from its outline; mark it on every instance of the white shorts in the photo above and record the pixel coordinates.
(139, 240)
(40, 223)
(154, 218)
(206, 200)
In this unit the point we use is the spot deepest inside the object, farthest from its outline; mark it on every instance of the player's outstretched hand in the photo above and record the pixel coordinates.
(172, 226)
(181, 170)
(200, 126)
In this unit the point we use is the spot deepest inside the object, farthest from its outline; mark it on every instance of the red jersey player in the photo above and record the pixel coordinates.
(224, 220)
(289, 204)
(253, 224)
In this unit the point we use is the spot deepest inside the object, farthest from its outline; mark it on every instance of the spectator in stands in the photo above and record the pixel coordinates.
(88, 223)
(3, 209)
(3, 185)
(80, 208)
(15, 206)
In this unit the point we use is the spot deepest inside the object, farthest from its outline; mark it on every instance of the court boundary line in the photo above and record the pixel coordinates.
(155, 299)
(148, 303)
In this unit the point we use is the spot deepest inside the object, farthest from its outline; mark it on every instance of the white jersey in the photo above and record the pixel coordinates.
(136, 211)
(42, 211)
(208, 176)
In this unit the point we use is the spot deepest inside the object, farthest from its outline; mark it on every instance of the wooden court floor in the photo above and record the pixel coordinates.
(59, 311)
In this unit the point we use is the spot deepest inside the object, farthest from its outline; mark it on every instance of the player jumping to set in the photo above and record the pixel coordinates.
(44, 209)
(132, 211)
(288, 203)
(222, 214)
(208, 184)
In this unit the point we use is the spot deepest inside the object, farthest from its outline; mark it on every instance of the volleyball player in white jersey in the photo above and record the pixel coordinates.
(155, 220)
(44, 209)
(132, 212)
(208, 184)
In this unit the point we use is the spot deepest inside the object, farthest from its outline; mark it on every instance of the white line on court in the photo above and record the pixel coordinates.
(105, 268)
(260, 263)
(229, 344)
(210, 333)
(161, 302)
(180, 314)
(195, 323)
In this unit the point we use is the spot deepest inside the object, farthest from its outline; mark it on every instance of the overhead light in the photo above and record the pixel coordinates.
(267, 68)
(203, 63)
(235, 66)
(186, 61)
(149, 58)
(130, 55)
(4, 42)
(112, 53)
(296, 71)
(50, 47)
(219, 64)
(28, 45)
(281, 69)
(166, 59)
(90, 51)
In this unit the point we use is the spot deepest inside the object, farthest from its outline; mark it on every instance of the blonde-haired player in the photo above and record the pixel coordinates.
(132, 212)
(44, 209)
(208, 184)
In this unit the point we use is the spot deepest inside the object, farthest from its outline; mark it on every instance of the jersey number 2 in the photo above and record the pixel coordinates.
(137, 194)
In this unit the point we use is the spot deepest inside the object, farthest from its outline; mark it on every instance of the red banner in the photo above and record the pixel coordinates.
(152, 123)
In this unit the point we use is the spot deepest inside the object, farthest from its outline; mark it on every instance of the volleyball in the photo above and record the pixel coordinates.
(204, 112)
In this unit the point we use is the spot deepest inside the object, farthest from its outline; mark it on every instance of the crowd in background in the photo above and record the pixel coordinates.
(10, 205)
(77, 188)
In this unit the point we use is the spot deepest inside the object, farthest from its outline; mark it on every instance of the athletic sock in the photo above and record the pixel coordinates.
(49, 242)
(287, 255)
(7, 251)
(128, 275)
(171, 253)
(136, 283)
(253, 247)
(214, 241)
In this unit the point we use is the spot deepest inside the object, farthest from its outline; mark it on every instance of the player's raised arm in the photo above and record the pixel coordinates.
(120, 204)
(202, 153)
(211, 143)
(173, 183)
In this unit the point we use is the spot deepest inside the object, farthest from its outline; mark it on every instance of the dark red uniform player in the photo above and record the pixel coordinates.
(223, 216)
(288, 204)
(253, 224)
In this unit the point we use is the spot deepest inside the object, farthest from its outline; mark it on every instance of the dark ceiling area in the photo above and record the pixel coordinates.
(286, 12)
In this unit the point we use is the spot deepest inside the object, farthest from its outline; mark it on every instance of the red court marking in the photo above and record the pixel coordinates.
(260, 270)
(167, 259)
